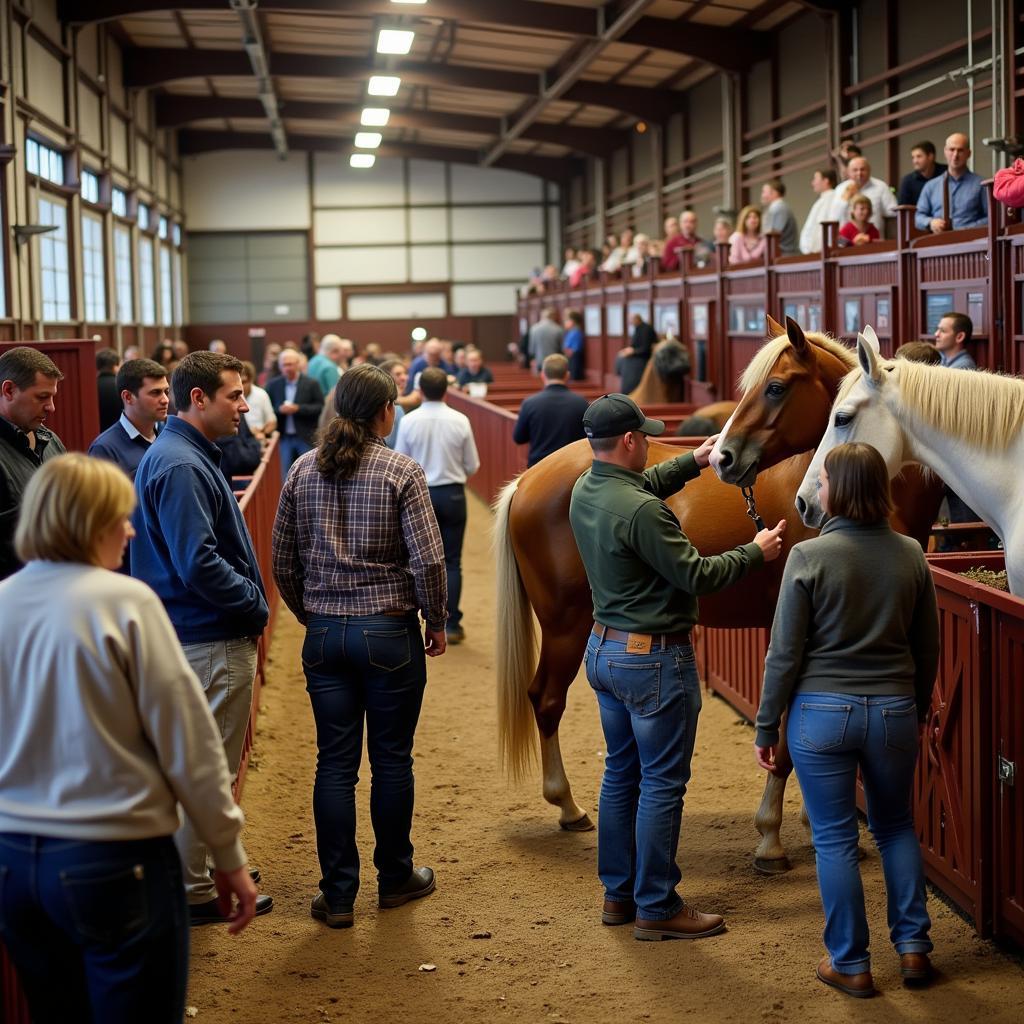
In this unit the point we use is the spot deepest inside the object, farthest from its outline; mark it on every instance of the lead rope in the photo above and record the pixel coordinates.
(748, 496)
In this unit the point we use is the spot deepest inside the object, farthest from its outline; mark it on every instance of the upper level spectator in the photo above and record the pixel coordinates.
(28, 386)
(721, 230)
(107, 363)
(474, 372)
(746, 242)
(859, 182)
(587, 264)
(951, 336)
(571, 262)
(778, 216)
(842, 156)
(686, 239)
(859, 230)
(823, 183)
(545, 338)
(621, 254)
(326, 366)
(922, 156)
(552, 418)
(640, 255)
(433, 355)
(968, 207)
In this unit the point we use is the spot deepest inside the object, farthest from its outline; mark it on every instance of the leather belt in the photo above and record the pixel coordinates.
(640, 643)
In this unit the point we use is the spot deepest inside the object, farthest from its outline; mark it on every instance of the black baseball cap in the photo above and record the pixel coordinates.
(613, 415)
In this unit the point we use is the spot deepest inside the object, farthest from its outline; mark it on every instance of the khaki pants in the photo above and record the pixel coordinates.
(226, 670)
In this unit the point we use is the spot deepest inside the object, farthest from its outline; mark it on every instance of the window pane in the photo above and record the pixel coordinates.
(119, 202)
(32, 156)
(143, 216)
(93, 269)
(90, 187)
(166, 310)
(162, 230)
(147, 293)
(179, 304)
(53, 262)
(123, 273)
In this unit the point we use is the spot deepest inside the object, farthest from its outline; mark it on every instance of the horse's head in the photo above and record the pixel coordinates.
(788, 391)
(861, 413)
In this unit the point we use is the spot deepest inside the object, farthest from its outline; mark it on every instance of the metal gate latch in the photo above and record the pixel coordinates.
(1006, 771)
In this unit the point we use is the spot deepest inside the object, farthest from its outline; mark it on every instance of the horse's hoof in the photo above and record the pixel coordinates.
(583, 824)
(772, 865)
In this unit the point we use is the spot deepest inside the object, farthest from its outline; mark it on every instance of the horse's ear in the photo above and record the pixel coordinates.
(797, 339)
(775, 329)
(868, 357)
(871, 338)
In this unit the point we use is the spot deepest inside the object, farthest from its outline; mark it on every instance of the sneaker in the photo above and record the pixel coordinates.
(320, 911)
(420, 883)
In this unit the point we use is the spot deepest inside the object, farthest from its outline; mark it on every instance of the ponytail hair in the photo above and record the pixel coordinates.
(359, 396)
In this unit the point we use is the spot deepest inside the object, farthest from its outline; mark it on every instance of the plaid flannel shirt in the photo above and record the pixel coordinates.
(361, 546)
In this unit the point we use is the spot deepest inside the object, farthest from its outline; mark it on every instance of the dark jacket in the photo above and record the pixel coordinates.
(240, 453)
(310, 400)
(631, 368)
(17, 464)
(109, 398)
(549, 420)
(912, 184)
(192, 545)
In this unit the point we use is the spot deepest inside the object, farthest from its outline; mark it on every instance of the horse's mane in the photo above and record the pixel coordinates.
(940, 397)
(758, 369)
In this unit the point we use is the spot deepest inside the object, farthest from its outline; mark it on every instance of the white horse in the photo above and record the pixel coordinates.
(966, 426)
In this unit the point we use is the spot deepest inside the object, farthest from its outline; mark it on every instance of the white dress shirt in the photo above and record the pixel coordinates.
(810, 236)
(441, 441)
(261, 409)
(883, 202)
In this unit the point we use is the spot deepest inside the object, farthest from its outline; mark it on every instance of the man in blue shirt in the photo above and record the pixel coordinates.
(968, 206)
(145, 398)
(433, 355)
(951, 338)
(193, 548)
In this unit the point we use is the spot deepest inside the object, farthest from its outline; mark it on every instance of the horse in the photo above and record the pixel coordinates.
(664, 376)
(539, 571)
(966, 426)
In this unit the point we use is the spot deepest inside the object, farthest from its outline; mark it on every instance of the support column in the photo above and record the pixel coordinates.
(657, 133)
(600, 201)
(731, 141)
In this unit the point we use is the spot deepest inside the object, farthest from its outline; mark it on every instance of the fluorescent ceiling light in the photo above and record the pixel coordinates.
(408, 1)
(375, 117)
(368, 140)
(384, 85)
(395, 40)
(363, 160)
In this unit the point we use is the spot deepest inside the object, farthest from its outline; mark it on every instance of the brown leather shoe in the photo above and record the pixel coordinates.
(687, 924)
(860, 986)
(915, 968)
(618, 912)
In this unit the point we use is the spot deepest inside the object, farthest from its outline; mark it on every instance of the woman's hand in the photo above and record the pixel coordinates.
(765, 757)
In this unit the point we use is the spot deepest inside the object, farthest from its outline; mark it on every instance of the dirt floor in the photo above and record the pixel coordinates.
(504, 868)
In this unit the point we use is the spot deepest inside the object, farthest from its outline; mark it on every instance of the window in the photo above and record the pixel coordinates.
(176, 235)
(119, 202)
(179, 299)
(90, 187)
(163, 227)
(147, 292)
(48, 163)
(143, 216)
(166, 308)
(123, 273)
(94, 269)
(53, 261)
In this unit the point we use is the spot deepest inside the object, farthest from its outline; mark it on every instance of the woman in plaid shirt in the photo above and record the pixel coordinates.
(357, 553)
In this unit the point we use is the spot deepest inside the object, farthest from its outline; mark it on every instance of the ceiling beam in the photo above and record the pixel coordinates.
(729, 49)
(177, 111)
(145, 67)
(191, 143)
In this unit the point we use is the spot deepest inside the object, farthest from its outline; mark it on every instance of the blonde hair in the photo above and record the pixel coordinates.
(858, 199)
(741, 221)
(68, 503)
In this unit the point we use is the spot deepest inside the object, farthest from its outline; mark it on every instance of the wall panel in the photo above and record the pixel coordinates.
(510, 261)
(368, 226)
(337, 184)
(384, 265)
(478, 224)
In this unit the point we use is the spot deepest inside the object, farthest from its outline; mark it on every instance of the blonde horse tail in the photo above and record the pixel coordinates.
(516, 649)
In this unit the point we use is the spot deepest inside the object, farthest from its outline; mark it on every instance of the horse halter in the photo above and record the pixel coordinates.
(748, 497)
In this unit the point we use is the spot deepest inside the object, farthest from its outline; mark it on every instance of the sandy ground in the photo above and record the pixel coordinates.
(504, 867)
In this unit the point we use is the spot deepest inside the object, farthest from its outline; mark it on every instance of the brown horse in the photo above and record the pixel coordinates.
(664, 376)
(539, 568)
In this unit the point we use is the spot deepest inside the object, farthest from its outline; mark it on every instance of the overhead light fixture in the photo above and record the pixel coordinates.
(361, 160)
(374, 117)
(368, 140)
(419, 334)
(395, 40)
(384, 85)
(409, 1)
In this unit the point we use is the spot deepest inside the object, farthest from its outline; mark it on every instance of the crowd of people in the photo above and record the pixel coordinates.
(947, 196)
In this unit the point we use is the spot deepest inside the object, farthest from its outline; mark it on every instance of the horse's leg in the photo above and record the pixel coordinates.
(560, 655)
(770, 856)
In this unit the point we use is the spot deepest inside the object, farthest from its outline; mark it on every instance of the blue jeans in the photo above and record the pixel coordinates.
(290, 447)
(357, 668)
(830, 735)
(449, 502)
(649, 708)
(98, 932)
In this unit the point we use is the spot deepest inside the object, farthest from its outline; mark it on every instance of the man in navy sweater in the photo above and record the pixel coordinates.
(192, 547)
(552, 418)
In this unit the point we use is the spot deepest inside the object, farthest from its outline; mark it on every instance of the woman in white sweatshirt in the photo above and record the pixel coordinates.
(103, 731)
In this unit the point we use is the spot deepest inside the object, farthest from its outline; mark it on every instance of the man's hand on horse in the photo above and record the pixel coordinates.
(702, 455)
(765, 757)
(770, 541)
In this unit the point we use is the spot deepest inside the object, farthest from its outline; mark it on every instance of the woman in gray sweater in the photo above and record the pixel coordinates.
(853, 657)
(104, 730)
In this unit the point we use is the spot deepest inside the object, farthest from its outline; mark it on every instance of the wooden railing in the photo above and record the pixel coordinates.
(259, 505)
(901, 287)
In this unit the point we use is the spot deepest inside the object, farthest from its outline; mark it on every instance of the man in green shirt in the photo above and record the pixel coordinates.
(645, 577)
